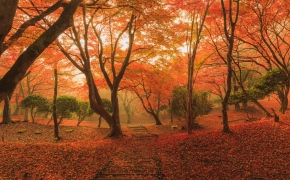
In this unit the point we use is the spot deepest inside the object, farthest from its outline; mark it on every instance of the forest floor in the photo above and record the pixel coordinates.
(254, 150)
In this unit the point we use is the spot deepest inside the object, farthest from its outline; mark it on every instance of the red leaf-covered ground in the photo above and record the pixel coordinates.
(255, 150)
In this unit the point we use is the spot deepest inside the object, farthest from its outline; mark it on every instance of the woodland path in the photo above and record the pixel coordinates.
(137, 159)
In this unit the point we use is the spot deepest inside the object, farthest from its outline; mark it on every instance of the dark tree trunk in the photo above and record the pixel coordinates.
(116, 109)
(236, 88)
(226, 127)
(51, 118)
(96, 101)
(60, 121)
(6, 111)
(54, 115)
(27, 58)
(7, 13)
(80, 120)
(157, 120)
(283, 98)
(31, 22)
(229, 25)
(276, 117)
(100, 121)
(256, 102)
(115, 130)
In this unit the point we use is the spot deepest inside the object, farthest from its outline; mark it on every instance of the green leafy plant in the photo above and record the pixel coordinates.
(66, 106)
(200, 102)
(36, 103)
(83, 110)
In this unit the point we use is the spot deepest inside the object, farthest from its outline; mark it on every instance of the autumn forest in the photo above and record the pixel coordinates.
(155, 89)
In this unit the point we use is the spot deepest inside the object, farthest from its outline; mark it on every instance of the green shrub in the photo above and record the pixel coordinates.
(201, 104)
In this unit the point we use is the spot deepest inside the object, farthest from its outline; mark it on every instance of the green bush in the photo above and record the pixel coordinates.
(83, 110)
(200, 102)
(66, 106)
(35, 103)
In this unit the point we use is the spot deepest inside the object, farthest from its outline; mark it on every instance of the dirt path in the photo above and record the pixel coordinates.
(135, 159)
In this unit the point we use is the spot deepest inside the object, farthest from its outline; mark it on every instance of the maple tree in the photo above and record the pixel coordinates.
(266, 39)
(229, 18)
(242, 72)
(229, 23)
(197, 21)
(122, 21)
(85, 67)
(152, 85)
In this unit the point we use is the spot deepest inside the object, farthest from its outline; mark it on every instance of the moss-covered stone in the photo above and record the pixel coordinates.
(21, 130)
(69, 130)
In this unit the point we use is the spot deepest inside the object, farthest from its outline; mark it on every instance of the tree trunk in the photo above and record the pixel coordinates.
(283, 98)
(128, 113)
(128, 118)
(31, 115)
(226, 127)
(190, 71)
(27, 58)
(236, 88)
(100, 121)
(80, 120)
(60, 121)
(6, 112)
(17, 108)
(50, 120)
(157, 120)
(7, 13)
(96, 104)
(116, 113)
(115, 130)
(54, 115)
(260, 106)
(229, 26)
(26, 115)
(195, 32)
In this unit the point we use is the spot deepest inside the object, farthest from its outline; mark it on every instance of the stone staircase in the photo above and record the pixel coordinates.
(138, 159)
